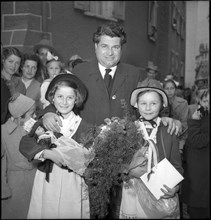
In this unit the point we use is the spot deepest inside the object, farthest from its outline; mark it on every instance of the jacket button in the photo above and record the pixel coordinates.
(113, 97)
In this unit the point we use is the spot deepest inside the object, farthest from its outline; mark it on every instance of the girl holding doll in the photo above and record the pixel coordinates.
(65, 195)
(149, 101)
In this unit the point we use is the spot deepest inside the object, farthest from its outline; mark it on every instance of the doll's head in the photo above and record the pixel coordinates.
(40, 130)
(37, 129)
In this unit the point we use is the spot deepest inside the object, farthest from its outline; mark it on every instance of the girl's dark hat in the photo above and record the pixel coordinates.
(67, 77)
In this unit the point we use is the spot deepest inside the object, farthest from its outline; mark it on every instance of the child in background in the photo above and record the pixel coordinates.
(17, 172)
(54, 68)
(195, 191)
(149, 101)
(65, 195)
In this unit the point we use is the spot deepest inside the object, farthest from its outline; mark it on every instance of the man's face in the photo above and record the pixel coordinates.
(42, 53)
(108, 51)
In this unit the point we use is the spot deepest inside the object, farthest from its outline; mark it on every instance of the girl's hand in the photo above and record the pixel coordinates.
(169, 192)
(55, 156)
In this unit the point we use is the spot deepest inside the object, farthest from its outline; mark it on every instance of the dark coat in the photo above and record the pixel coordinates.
(99, 105)
(196, 186)
(171, 145)
(5, 96)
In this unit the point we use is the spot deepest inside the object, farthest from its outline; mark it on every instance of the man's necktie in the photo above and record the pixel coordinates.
(107, 78)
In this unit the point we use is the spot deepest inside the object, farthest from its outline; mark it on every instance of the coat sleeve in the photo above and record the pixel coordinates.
(184, 115)
(175, 157)
(29, 147)
(198, 137)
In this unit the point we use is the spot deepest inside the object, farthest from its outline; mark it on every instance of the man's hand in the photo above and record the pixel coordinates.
(174, 126)
(51, 121)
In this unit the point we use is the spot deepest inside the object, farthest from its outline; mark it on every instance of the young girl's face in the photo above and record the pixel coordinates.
(53, 68)
(39, 131)
(149, 105)
(64, 100)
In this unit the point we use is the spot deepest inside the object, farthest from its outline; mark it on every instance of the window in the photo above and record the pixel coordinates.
(108, 10)
(152, 20)
(174, 16)
(182, 31)
(178, 22)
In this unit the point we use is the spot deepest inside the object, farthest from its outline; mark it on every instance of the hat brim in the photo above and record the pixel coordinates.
(67, 77)
(38, 46)
(135, 92)
(151, 68)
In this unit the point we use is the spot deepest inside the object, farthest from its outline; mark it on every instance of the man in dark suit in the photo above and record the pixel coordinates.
(103, 102)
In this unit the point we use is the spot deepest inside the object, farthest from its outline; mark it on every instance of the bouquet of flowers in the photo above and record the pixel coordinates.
(114, 144)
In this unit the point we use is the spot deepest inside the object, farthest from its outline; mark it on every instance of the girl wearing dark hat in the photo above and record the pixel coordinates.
(160, 144)
(63, 196)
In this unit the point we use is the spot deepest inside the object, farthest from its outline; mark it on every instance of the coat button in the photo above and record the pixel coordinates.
(113, 97)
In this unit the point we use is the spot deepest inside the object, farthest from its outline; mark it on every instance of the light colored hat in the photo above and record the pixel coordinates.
(151, 66)
(44, 43)
(153, 85)
(20, 105)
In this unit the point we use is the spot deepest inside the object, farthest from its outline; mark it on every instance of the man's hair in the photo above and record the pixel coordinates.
(111, 29)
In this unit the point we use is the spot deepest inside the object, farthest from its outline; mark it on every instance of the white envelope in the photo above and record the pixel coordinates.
(164, 174)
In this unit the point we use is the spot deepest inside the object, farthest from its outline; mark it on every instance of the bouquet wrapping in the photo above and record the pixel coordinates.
(153, 208)
(75, 156)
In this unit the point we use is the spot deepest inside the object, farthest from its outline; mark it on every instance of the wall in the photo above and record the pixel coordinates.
(71, 31)
(197, 32)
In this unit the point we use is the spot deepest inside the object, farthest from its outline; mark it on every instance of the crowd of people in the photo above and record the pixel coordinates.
(67, 101)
